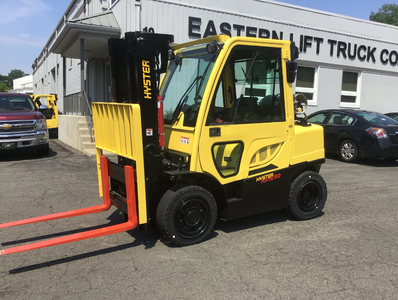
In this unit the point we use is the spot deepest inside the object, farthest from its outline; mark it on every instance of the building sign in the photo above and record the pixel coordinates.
(340, 49)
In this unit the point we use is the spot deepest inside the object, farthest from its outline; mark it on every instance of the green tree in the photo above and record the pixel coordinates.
(3, 87)
(387, 14)
(13, 74)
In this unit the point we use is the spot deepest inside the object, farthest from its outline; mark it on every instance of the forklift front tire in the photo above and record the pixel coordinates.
(307, 196)
(186, 215)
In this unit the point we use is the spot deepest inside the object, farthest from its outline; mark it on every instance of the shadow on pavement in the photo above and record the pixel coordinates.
(139, 239)
(379, 163)
(19, 155)
(253, 221)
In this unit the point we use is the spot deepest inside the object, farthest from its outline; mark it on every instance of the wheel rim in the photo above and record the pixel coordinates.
(192, 217)
(309, 196)
(347, 151)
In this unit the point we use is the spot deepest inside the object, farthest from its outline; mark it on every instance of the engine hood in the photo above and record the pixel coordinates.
(10, 115)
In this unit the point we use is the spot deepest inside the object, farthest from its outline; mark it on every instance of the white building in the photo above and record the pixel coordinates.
(23, 85)
(344, 62)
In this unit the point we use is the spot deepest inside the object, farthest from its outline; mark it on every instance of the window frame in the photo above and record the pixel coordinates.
(356, 94)
(314, 90)
(111, 4)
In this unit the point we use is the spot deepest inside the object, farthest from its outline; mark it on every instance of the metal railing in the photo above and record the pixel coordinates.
(79, 104)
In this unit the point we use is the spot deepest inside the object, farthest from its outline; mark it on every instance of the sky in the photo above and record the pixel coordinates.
(26, 25)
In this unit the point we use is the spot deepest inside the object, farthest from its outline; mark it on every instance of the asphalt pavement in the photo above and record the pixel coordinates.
(350, 252)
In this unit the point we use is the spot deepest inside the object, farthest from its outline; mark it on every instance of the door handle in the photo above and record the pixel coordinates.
(215, 131)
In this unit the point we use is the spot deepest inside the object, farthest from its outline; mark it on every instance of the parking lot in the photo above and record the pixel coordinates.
(350, 252)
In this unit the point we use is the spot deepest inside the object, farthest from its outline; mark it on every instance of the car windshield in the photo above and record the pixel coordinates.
(185, 82)
(16, 102)
(377, 118)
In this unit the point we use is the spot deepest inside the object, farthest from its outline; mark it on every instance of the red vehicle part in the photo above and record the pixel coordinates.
(130, 224)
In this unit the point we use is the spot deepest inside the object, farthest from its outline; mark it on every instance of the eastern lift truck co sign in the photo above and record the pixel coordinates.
(336, 48)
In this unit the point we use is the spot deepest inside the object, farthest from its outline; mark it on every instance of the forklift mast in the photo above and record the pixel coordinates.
(136, 64)
(137, 61)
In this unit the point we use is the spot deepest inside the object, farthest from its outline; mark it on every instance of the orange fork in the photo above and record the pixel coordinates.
(131, 223)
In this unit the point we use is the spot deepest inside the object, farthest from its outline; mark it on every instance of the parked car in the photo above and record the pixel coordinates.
(356, 133)
(22, 125)
(393, 115)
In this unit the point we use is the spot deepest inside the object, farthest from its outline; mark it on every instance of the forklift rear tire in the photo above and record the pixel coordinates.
(186, 215)
(307, 196)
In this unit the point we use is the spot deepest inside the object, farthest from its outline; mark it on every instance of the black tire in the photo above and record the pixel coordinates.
(44, 152)
(348, 151)
(54, 134)
(307, 196)
(186, 215)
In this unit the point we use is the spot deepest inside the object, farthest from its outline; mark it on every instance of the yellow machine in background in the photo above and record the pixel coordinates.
(50, 113)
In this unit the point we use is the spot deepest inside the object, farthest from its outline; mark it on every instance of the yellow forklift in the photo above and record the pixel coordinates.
(234, 140)
(51, 113)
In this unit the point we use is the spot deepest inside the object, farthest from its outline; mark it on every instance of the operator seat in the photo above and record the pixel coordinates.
(242, 109)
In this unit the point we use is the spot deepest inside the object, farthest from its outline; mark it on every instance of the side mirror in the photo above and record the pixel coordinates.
(291, 69)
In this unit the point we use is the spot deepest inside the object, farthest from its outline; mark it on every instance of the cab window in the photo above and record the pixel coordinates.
(318, 118)
(250, 89)
(340, 119)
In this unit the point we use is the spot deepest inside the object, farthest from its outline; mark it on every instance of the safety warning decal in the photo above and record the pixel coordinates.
(149, 132)
(184, 140)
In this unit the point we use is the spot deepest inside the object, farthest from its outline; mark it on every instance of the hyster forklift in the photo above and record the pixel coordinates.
(50, 113)
(233, 141)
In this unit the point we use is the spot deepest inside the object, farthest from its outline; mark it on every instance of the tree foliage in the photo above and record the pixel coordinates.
(6, 82)
(387, 14)
(3, 87)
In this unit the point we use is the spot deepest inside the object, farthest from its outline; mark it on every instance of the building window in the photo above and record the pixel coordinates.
(349, 89)
(306, 83)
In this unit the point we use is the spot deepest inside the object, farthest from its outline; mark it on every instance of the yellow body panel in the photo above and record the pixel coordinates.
(179, 139)
(117, 128)
(308, 144)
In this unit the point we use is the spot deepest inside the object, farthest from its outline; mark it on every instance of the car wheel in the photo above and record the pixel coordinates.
(307, 196)
(186, 215)
(348, 151)
(45, 151)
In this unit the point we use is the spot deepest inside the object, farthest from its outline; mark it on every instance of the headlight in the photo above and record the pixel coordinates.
(41, 124)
